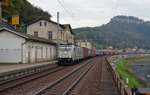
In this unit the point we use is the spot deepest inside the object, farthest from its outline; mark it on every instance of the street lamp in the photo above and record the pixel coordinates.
(148, 76)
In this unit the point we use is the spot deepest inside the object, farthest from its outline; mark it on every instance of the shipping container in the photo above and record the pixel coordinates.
(89, 52)
(97, 52)
(92, 52)
(105, 52)
(85, 50)
(101, 52)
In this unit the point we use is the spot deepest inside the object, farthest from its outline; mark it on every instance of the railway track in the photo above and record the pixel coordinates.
(27, 85)
(5, 85)
(65, 84)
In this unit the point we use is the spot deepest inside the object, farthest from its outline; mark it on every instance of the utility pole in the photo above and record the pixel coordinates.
(0, 13)
(58, 40)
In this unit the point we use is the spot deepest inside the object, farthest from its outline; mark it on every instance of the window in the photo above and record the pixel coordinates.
(85, 44)
(36, 34)
(65, 48)
(45, 23)
(40, 23)
(49, 35)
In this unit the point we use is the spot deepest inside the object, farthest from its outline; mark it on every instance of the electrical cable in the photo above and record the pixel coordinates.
(68, 11)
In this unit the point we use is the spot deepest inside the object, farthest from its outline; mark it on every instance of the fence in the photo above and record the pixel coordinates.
(123, 89)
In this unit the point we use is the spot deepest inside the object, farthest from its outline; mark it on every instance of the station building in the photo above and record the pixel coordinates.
(47, 29)
(18, 47)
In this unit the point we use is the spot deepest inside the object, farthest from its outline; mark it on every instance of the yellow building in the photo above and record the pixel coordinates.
(67, 34)
(84, 44)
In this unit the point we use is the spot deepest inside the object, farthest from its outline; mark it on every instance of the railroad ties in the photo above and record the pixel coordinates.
(90, 77)
(64, 85)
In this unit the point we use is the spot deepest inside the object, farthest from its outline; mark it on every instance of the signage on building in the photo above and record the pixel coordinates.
(15, 20)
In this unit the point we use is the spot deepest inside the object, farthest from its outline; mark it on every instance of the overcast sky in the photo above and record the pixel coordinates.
(93, 12)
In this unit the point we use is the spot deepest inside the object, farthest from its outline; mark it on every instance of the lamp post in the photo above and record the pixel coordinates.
(148, 76)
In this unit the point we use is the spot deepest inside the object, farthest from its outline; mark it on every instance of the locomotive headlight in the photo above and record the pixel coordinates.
(59, 55)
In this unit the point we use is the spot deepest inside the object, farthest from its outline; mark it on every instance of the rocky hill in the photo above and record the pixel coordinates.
(120, 32)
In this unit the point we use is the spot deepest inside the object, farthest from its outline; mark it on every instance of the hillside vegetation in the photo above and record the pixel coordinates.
(25, 10)
(120, 32)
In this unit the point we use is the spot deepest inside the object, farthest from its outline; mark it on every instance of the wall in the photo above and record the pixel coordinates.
(43, 30)
(122, 88)
(64, 35)
(37, 52)
(10, 47)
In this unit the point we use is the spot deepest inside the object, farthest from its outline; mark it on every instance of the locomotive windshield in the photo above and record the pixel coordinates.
(63, 48)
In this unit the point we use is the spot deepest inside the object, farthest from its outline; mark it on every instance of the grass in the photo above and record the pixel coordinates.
(125, 71)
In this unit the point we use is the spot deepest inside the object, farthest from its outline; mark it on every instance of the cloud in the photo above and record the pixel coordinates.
(94, 12)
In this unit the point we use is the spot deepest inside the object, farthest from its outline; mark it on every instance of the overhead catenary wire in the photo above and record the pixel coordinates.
(64, 5)
(70, 11)
(116, 8)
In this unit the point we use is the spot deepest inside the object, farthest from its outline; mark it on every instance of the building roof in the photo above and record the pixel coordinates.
(5, 26)
(68, 25)
(43, 19)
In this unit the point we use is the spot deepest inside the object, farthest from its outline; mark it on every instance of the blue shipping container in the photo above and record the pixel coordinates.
(97, 52)
(102, 52)
(89, 52)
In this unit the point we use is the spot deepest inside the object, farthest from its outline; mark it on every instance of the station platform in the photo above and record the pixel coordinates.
(108, 86)
(8, 71)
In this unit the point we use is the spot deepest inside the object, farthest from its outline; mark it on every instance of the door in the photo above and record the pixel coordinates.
(29, 54)
(36, 50)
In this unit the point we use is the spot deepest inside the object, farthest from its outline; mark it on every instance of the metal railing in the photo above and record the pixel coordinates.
(122, 87)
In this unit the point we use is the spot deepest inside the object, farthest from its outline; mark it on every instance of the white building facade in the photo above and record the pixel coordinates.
(48, 29)
(16, 47)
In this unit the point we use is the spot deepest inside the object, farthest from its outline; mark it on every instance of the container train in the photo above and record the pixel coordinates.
(69, 54)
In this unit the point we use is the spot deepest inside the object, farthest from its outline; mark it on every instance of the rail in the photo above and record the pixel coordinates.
(77, 81)
(123, 89)
(27, 78)
(50, 86)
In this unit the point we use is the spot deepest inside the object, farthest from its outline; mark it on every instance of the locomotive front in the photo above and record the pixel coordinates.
(65, 53)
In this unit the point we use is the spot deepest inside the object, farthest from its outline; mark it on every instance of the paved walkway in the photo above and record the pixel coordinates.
(12, 67)
(108, 86)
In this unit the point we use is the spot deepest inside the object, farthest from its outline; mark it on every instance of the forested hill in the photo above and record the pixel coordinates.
(120, 32)
(24, 9)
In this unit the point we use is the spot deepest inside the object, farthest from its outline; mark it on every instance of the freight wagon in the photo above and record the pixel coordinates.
(85, 51)
(97, 52)
(69, 54)
(92, 53)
